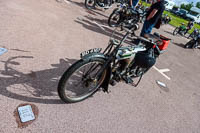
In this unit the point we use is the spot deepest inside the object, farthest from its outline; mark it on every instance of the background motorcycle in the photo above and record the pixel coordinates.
(195, 33)
(142, 10)
(180, 30)
(193, 43)
(166, 19)
(124, 16)
(91, 4)
(117, 63)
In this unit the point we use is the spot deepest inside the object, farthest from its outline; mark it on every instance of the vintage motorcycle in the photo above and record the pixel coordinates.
(123, 14)
(193, 43)
(180, 30)
(195, 33)
(91, 4)
(116, 63)
(166, 19)
(142, 12)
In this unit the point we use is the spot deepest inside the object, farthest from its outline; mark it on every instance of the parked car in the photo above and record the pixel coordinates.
(169, 5)
(182, 13)
(194, 14)
(175, 10)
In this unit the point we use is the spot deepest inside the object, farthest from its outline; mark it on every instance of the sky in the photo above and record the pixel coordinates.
(179, 2)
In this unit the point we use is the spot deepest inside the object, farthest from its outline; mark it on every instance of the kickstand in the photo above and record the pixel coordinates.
(135, 85)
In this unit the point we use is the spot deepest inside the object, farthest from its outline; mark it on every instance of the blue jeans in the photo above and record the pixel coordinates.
(147, 28)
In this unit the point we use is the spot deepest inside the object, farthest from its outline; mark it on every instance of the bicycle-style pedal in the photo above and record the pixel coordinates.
(128, 80)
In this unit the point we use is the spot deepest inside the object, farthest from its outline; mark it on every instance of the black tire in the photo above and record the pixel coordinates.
(186, 46)
(100, 2)
(86, 80)
(189, 44)
(189, 36)
(195, 45)
(114, 18)
(176, 31)
(90, 4)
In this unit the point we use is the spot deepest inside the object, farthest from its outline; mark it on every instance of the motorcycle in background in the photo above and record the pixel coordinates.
(142, 12)
(91, 4)
(166, 19)
(180, 30)
(123, 14)
(196, 32)
(193, 43)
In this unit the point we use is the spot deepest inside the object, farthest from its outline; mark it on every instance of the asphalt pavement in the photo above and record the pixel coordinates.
(43, 38)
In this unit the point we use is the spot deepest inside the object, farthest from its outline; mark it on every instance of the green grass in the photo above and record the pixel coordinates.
(176, 21)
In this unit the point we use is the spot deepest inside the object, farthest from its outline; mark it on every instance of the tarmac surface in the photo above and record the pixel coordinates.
(43, 38)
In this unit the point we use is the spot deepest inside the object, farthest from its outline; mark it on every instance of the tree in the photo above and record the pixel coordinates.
(198, 4)
(187, 6)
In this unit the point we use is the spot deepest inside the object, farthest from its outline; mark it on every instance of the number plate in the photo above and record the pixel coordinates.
(95, 50)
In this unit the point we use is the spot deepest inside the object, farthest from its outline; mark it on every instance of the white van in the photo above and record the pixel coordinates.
(169, 4)
(194, 14)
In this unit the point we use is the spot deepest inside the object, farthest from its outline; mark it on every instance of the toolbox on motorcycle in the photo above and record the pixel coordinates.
(165, 42)
(144, 59)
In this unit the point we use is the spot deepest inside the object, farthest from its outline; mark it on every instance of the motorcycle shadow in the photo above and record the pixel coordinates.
(101, 26)
(171, 33)
(179, 44)
(34, 86)
(95, 11)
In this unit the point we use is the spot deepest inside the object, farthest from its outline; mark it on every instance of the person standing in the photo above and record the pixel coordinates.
(152, 17)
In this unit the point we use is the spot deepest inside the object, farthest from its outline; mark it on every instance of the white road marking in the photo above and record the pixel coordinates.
(66, 1)
(161, 71)
(164, 70)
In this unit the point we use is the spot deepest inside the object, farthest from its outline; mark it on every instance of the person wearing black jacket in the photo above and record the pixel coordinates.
(152, 17)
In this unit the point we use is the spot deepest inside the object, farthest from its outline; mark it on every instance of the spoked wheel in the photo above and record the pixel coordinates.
(81, 80)
(114, 19)
(176, 31)
(90, 4)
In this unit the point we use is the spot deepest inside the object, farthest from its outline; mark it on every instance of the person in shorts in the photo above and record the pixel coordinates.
(153, 14)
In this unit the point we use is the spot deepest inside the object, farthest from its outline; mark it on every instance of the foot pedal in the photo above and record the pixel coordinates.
(128, 80)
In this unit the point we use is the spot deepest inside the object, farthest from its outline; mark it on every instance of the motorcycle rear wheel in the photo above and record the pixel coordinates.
(81, 81)
(114, 18)
(90, 4)
(189, 44)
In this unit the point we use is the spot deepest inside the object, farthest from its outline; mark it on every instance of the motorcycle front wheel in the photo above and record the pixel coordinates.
(81, 80)
(176, 31)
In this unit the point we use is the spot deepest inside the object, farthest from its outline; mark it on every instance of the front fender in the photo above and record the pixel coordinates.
(106, 81)
(93, 55)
